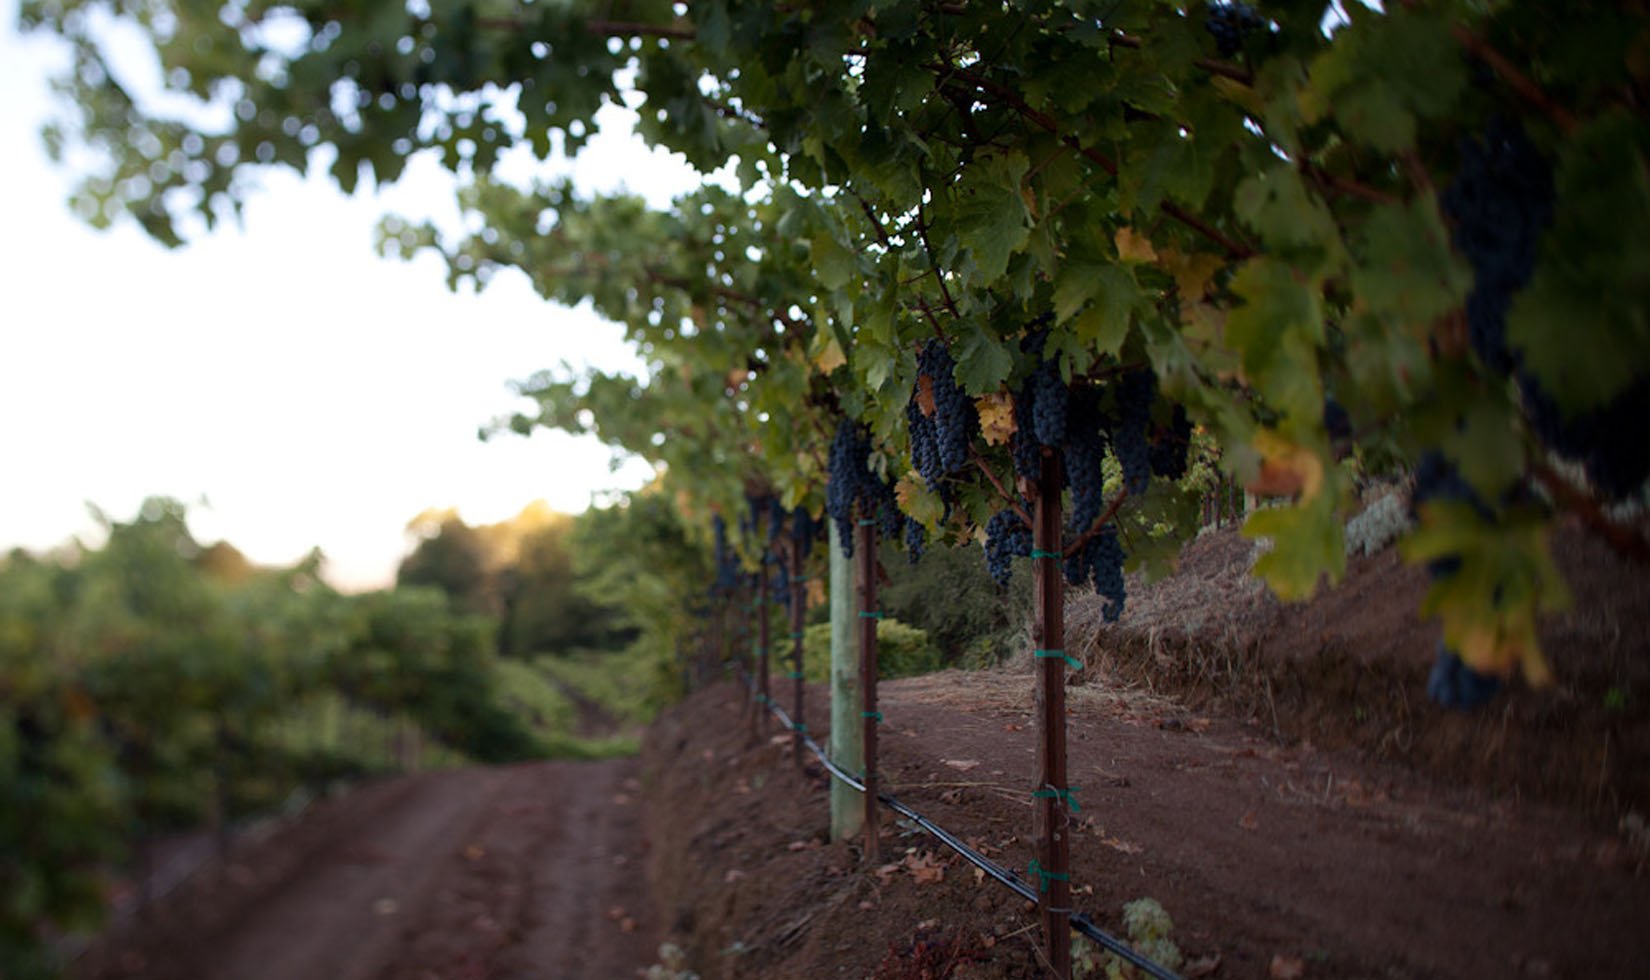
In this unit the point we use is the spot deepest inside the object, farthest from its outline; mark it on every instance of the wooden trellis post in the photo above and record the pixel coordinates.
(1051, 870)
(869, 715)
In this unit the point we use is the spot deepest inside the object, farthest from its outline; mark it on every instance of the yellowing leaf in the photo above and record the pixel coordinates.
(1192, 273)
(1286, 468)
(1134, 248)
(915, 499)
(830, 357)
(925, 395)
(996, 417)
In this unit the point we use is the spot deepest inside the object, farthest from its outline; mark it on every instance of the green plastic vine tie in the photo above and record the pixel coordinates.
(875, 716)
(1038, 553)
(797, 636)
(870, 615)
(794, 675)
(867, 523)
(1067, 796)
(1036, 869)
(1061, 655)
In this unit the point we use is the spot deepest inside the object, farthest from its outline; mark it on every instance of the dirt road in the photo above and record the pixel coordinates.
(529, 871)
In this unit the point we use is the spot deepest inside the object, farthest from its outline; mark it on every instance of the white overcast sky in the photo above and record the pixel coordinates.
(313, 393)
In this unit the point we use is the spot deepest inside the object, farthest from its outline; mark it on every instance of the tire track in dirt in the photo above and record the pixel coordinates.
(495, 873)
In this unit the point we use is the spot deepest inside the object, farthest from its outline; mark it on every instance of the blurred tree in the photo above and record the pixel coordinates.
(451, 557)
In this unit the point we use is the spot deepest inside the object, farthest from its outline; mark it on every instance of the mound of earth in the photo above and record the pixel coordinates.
(1272, 860)
(1348, 669)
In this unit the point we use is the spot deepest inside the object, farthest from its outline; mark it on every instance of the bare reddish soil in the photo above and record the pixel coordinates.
(516, 872)
(1353, 867)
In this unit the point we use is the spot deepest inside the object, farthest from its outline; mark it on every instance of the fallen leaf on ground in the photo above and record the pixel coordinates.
(627, 924)
(620, 799)
(733, 875)
(1249, 821)
(925, 868)
(1286, 967)
(961, 764)
(616, 913)
(1011, 727)
(1203, 966)
(474, 852)
(386, 906)
(887, 872)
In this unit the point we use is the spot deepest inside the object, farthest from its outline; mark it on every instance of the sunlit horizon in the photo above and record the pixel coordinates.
(312, 393)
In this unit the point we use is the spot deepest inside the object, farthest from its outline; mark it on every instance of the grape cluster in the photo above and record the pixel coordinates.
(925, 447)
(1085, 457)
(782, 585)
(1100, 561)
(1453, 684)
(916, 540)
(776, 519)
(1231, 23)
(852, 482)
(1006, 537)
(1499, 204)
(804, 529)
(955, 418)
(1135, 394)
(1022, 444)
(1171, 447)
(1336, 422)
(727, 566)
(1049, 398)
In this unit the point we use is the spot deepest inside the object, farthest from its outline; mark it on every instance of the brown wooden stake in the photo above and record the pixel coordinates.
(799, 611)
(1052, 873)
(866, 550)
(764, 639)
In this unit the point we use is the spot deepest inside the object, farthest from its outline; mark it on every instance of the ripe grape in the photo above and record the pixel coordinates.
(1128, 437)
(1085, 457)
(955, 418)
(1101, 561)
(1048, 406)
(1453, 684)
(925, 446)
(1171, 446)
(1231, 23)
(916, 540)
(1499, 203)
(1006, 537)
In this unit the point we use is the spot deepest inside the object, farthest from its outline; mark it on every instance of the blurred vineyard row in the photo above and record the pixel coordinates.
(155, 685)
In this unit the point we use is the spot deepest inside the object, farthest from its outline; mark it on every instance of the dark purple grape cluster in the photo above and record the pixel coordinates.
(727, 566)
(804, 529)
(1500, 203)
(1085, 457)
(782, 584)
(1135, 394)
(852, 482)
(1454, 684)
(1608, 442)
(1049, 396)
(1100, 561)
(1027, 454)
(916, 540)
(776, 519)
(1172, 446)
(1336, 422)
(955, 418)
(1006, 537)
(1231, 24)
(925, 447)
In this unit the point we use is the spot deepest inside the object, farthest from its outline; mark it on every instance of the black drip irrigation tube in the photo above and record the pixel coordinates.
(1080, 922)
